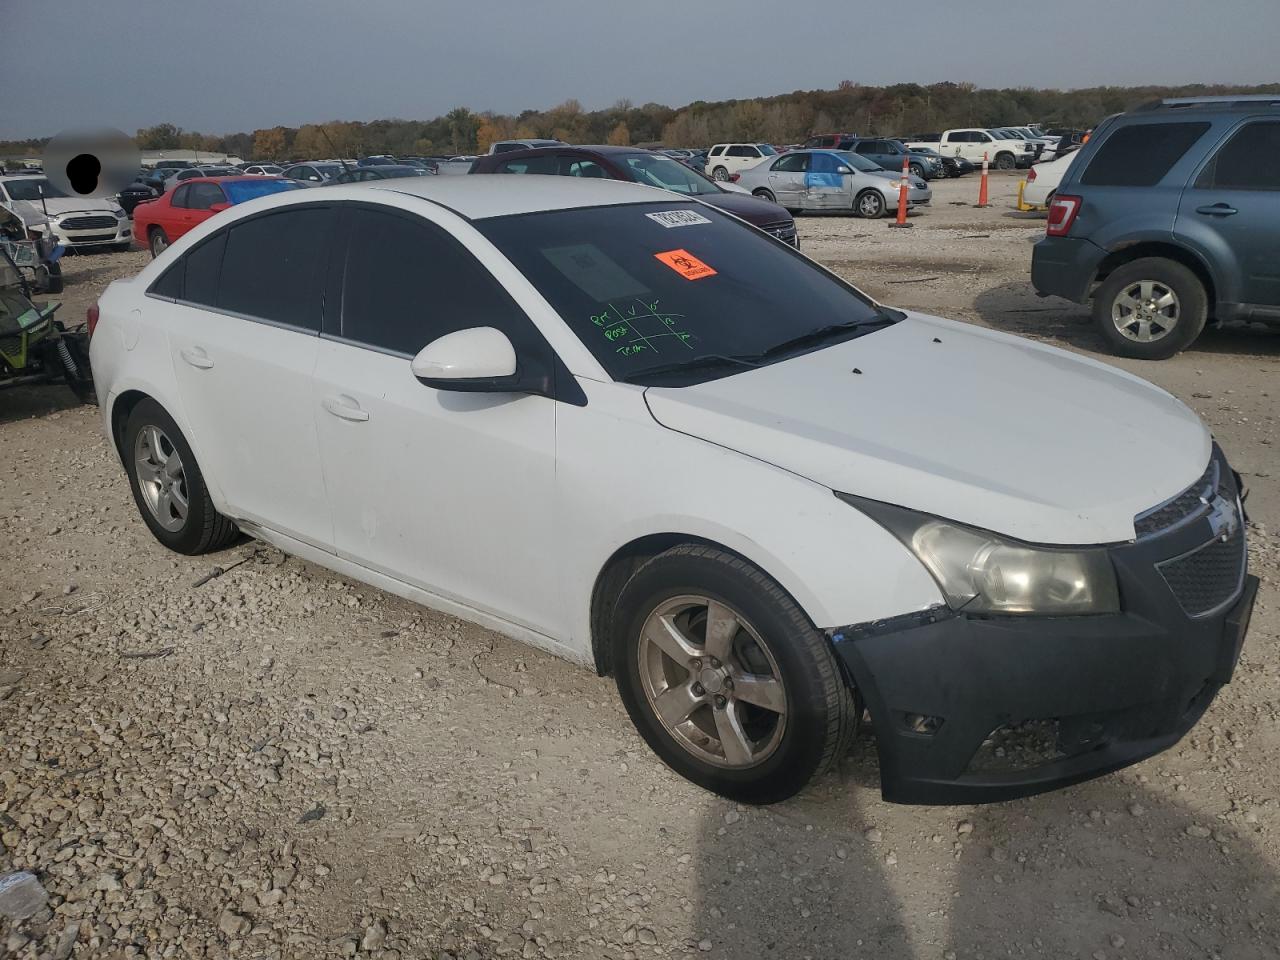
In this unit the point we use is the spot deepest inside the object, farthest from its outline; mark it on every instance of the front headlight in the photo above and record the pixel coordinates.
(981, 572)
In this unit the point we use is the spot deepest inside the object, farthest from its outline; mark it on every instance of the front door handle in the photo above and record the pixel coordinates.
(1218, 210)
(346, 408)
(197, 358)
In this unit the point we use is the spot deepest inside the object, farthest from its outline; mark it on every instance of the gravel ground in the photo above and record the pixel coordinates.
(277, 762)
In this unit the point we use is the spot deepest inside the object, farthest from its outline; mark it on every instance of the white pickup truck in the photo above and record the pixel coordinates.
(1003, 151)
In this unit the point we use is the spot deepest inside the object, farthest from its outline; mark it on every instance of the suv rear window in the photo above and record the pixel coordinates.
(1140, 155)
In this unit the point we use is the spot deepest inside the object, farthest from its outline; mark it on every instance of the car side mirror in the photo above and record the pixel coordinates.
(843, 169)
(218, 207)
(477, 360)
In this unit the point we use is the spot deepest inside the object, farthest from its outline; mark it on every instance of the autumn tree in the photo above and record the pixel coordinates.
(163, 136)
(488, 132)
(269, 144)
(620, 136)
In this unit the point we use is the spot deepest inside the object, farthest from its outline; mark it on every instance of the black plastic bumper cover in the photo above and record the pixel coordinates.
(1120, 687)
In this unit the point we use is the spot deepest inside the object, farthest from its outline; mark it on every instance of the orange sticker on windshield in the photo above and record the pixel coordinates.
(686, 264)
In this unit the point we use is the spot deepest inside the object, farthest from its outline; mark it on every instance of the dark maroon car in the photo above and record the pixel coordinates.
(649, 168)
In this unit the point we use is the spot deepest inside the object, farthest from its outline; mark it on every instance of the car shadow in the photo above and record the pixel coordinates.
(35, 400)
(1015, 308)
(1109, 869)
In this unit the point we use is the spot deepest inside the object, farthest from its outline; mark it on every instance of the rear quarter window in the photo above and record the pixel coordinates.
(1142, 154)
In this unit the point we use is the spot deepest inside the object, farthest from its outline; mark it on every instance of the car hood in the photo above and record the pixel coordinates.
(897, 177)
(751, 209)
(964, 423)
(61, 205)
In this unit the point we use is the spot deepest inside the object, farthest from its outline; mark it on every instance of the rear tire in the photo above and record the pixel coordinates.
(162, 486)
(720, 173)
(764, 194)
(720, 735)
(1150, 309)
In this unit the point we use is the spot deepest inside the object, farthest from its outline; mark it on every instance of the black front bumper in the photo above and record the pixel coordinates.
(1091, 694)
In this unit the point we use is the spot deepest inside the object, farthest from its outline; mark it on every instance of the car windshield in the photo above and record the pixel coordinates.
(30, 188)
(655, 170)
(859, 162)
(678, 293)
(238, 191)
(767, 150)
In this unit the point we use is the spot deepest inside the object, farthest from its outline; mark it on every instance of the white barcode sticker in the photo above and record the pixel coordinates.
(677, 218)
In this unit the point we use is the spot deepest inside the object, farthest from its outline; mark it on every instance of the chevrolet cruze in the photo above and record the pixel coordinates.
(635, 432)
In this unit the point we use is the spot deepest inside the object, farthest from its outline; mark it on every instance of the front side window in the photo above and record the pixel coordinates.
(202, 196)
(673, 286)
(658, 171)
(272, 268)
(1248, 161)
(765, 150)
(573, 167)
(407, 282)
(1141, 154)
(855, 162)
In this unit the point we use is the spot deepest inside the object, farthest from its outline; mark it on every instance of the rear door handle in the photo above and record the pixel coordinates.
(346, 408)
(197, 358)
(1218, 210)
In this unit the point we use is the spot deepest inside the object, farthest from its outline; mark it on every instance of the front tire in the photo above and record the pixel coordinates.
(870, 205)
(1150, 309)
(1005, 161)
(168, 486)
(916, 171)
(764, 194)
(725, 677)
(158, 241)
(720, 173)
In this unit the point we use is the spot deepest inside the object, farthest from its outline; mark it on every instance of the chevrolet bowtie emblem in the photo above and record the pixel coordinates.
(1224, 518)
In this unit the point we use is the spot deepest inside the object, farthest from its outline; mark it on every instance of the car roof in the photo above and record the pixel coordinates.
(229, 179)
(478, 198)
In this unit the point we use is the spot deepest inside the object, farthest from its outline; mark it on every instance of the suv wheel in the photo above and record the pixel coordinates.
(1005, 161)
(1150, 309)
(168, 486)
(726, 678)
(916, 171)
(720, 173)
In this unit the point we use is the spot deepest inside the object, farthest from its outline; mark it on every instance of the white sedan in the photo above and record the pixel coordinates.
(1043, 180)
(635, 432)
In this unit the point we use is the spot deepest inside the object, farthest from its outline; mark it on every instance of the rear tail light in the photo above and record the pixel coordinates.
(91, 317)
(735, 177)
(1062, 214)
(1031, 174)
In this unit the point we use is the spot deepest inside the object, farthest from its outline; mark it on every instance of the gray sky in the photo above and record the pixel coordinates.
(240, 64)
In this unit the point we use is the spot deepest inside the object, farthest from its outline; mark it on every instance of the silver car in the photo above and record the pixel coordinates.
(815, 180)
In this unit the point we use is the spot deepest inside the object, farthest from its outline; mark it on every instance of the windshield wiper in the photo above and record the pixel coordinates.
(697, 363)
(822, 334)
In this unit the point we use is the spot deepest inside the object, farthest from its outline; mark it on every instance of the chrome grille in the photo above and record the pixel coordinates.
(88, 223)
(1210, 577)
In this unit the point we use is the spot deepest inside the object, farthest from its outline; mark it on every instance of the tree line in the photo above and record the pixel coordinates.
(785, 118)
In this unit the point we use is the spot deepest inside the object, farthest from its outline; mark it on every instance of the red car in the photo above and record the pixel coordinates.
(157, 223)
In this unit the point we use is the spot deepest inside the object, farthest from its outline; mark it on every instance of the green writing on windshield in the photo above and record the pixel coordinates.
(639, 326)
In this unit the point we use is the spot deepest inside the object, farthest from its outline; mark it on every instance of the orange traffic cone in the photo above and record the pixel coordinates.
(904, 186)
(982, 190)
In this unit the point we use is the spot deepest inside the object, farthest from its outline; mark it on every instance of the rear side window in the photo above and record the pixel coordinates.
(201, 267)
(1247, 161)
(272, 267)
(408, 282)
(548, 164)
(1140, 155)
(180, 196)
(717, 150)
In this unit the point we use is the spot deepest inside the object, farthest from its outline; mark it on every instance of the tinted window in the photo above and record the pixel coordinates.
(170, 283)
(407, 282)
(1248, 161)
(507, 147)
(741, 151)
(180, 197)
(204, 195)
(547, 163)
(792, 163)
(1141, 154)
(641, 295)
(658, 171)
(866, 147)
(716, 150)
(583, 168)
(272, 267)
(202, 266)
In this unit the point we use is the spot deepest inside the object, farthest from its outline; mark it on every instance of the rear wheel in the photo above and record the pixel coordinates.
(726, 678)
(869, 204)
(764, 194)
(1150, 309)
(720, 173)
(168, 486)
(158, 241)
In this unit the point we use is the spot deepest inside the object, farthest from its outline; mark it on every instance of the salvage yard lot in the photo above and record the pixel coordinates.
(276, 762)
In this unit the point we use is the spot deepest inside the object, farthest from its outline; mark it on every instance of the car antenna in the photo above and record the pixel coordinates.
(345, 168)
(44, 206)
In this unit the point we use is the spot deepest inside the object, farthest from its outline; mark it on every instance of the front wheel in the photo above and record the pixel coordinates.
(1150, 309)
(726, 678)
(870, 204)
(916, 171)
(1005, 161)
(720, 173)
(168, 486)
(764, 194)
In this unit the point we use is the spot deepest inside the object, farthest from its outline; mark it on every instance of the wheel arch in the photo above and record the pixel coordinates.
(1141, 250)
(123, 406)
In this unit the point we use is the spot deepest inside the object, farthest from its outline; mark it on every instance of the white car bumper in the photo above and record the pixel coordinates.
(92, 229)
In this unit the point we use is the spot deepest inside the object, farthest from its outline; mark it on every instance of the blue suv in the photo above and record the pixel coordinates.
(1169, 217)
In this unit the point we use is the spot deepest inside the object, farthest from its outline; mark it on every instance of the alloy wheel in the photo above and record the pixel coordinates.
(712, 682)
(161, 478)
(1145, 311)
(870, 205)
